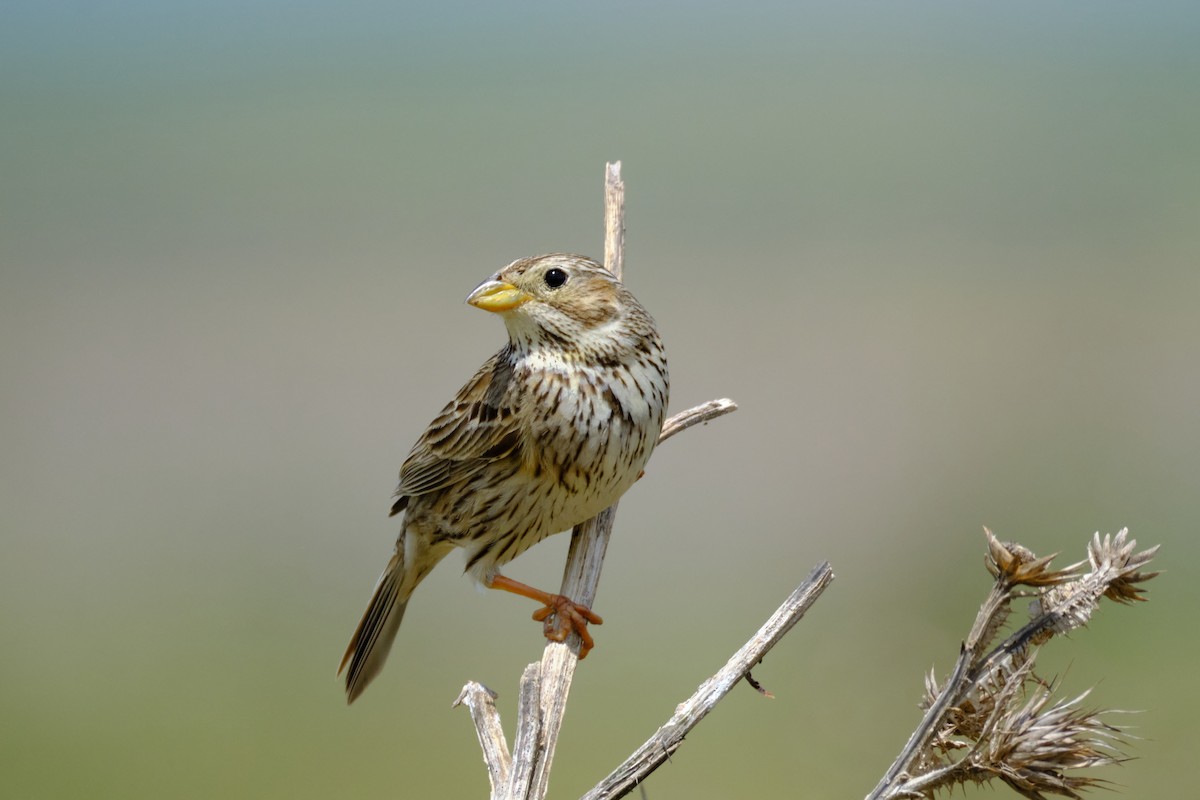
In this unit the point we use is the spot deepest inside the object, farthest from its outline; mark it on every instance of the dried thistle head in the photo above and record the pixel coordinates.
(1013, 566)
(1031, 747)
(1114, 555)
(1016, 565)
(995, 719)
(1116, 573)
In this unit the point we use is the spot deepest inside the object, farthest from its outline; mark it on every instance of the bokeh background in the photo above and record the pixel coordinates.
(946, 256)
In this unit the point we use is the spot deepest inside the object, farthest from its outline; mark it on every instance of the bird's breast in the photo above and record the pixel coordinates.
(591, 432)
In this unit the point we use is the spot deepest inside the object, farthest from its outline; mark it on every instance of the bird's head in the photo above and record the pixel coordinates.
(556, 299)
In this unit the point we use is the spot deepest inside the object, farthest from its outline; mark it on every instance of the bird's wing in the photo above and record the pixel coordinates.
(477, 427)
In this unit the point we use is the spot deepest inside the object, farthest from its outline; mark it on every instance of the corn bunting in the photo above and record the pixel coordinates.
(551, 431)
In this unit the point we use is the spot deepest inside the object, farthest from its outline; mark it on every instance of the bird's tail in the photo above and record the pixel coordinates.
(373, 637)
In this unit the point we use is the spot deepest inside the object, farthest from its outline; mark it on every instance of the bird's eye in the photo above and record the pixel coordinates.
(555, 277)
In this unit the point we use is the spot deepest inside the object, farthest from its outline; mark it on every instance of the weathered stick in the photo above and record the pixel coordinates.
(614, 219)
(526, 746)
(545, 686)
(667, 739)
(589, 541)
(481, 702)
(695, 416)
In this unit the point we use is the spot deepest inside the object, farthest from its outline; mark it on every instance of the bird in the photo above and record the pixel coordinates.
(549, 432)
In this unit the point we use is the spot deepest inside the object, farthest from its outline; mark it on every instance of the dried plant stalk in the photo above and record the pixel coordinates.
(667, 739)
(481, 701)
(993, 718)
(547, 684)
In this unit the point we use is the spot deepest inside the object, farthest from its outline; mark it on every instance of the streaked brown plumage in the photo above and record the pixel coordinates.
(549, 432)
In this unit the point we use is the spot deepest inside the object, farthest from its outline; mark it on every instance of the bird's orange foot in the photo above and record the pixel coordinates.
(562, 616)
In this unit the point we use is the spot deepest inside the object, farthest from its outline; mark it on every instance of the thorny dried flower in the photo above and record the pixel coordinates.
(968, 719)
(1013, 566)
(1115, 553)
(1115, 574)
(1016, 565)
(983, 729)
(1030, 748)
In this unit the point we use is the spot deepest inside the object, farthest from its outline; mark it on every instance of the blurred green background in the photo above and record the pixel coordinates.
(945, 255)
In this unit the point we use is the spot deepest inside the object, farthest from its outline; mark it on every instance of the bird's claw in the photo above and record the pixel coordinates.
(562, 616)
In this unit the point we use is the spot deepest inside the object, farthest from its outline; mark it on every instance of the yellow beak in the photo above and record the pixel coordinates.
(497, 296)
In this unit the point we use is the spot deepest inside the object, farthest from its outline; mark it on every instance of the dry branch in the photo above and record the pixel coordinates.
(481, 702)
(585, 558)
(696, 416)
(545, 686)
(667, 739)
